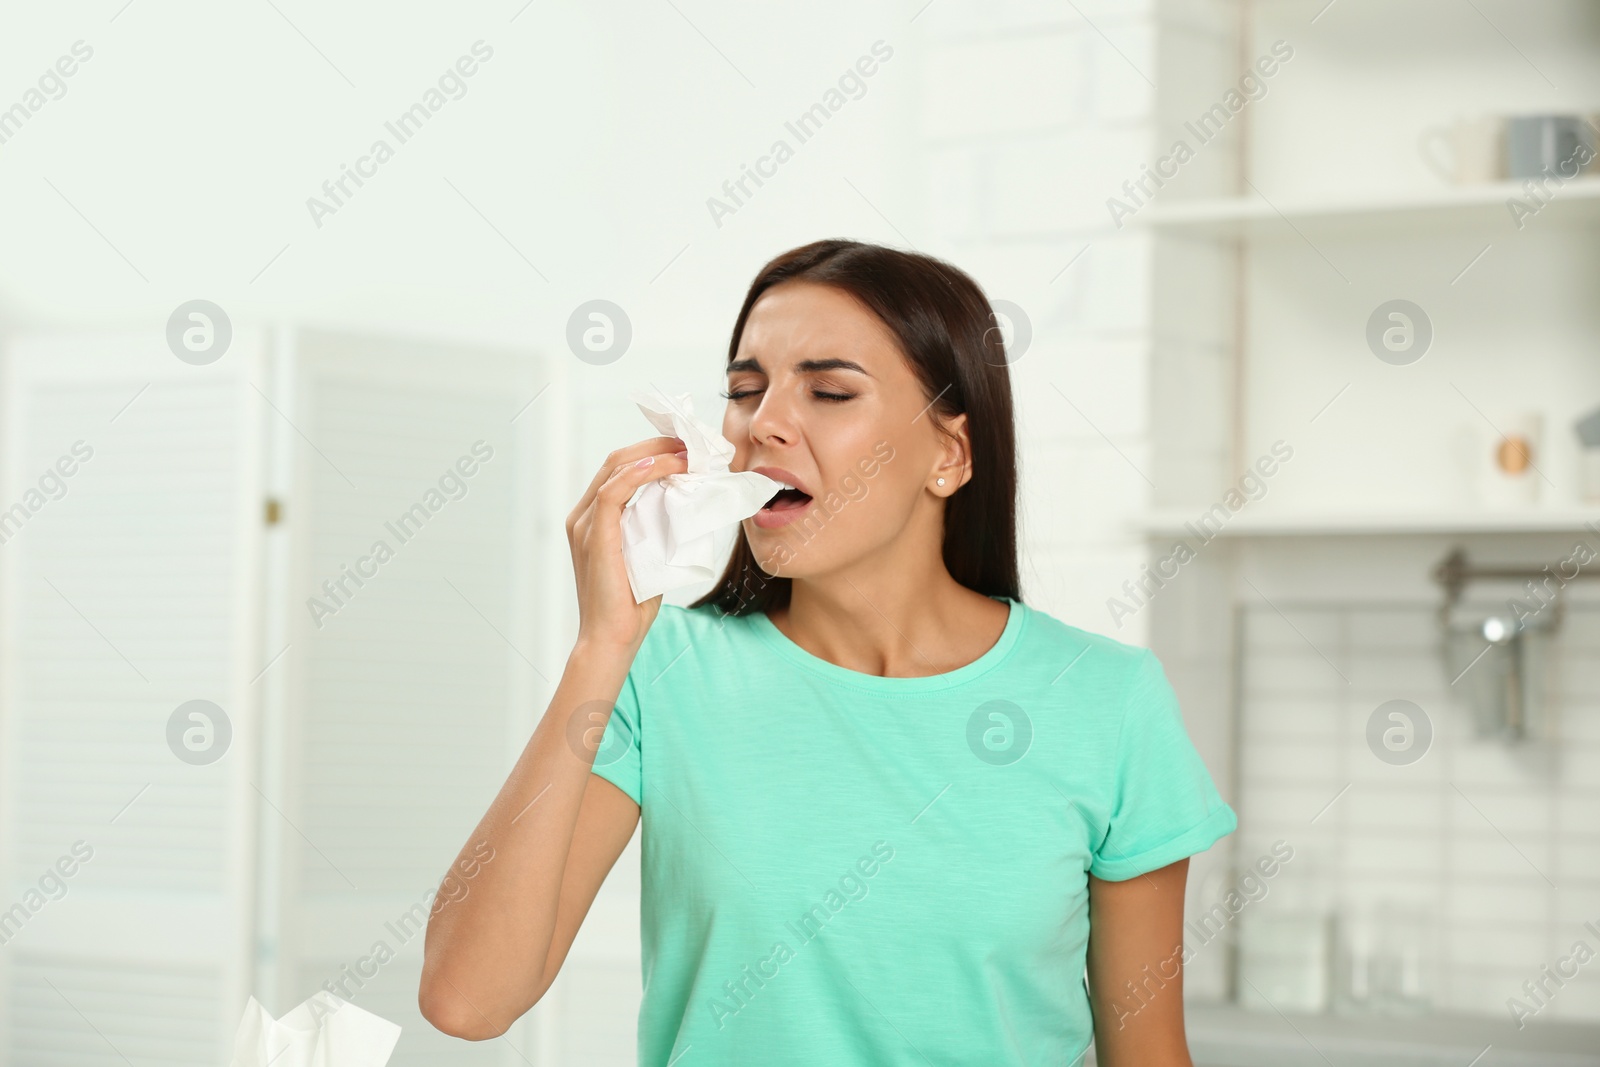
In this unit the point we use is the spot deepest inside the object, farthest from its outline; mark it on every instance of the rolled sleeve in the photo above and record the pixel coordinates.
(1164, 805)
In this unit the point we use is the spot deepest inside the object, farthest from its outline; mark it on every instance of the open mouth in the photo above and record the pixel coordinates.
(787, 500)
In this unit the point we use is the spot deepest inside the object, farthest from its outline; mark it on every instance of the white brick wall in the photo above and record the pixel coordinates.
(1497, 845)
(1030, 121)
(1017, 186)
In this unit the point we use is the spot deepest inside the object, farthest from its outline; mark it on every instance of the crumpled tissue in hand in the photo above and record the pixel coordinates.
(323, 1031)
(669, 527)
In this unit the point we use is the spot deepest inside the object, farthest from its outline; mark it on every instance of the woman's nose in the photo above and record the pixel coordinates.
(772, 417)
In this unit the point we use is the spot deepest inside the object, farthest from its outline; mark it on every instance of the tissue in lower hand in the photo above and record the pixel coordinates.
(324, 1031)
(669, 527)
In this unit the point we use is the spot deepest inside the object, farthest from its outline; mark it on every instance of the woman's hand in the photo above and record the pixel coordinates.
(607, 612)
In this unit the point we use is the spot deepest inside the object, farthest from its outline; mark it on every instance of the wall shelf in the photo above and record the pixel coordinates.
(1171, 522)
(1482, 207)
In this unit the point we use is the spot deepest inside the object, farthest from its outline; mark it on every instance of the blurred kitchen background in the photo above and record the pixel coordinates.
(1303, 305)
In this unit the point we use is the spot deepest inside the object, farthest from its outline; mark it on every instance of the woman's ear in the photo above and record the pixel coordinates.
(955, 462)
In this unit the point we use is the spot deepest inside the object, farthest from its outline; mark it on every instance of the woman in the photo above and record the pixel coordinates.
(892, 815)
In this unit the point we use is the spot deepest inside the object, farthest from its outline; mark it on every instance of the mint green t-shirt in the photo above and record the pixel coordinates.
(845, 869)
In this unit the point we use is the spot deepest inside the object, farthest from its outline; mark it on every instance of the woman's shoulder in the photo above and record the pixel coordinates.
(677, 619)
(679, 630)
(1087, 654)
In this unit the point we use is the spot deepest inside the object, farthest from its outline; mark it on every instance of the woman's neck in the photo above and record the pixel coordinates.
(892, 631)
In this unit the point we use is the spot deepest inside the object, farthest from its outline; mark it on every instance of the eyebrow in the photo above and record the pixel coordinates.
(805, 366)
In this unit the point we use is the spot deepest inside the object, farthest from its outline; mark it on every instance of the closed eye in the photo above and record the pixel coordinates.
(833, 397)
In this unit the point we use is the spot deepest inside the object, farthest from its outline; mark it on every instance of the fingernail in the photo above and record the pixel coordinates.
(645, 462)
(682, 455)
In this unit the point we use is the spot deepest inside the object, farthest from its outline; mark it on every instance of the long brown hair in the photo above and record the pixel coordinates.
(946, 330)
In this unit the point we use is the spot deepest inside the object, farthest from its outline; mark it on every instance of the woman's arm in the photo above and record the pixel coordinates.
(538, 856)
(1136, 969)
(556, 830)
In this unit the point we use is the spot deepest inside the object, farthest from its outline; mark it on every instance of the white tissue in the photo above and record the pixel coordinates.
(323, 1031)
(669, 527)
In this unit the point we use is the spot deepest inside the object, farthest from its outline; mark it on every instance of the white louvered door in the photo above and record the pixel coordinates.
(362, 750)
(400, 701)
(127, 588)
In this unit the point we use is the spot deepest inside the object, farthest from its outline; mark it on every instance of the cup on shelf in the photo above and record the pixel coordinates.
(1284, 946)
(1466, 152)
(1285, 960)
(1589, 460)
(1383, 959)
(1403, 976)
(1352, 992)
(1588, 431)
(1560, 146)
(1511, 454)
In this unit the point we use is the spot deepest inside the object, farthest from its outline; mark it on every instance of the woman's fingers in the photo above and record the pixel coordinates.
(621, 458)
(612, 495)
(632, 454)
(626, 478)
(606, 608)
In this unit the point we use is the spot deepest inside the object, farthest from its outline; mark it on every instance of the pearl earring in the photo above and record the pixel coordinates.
(941, 481)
